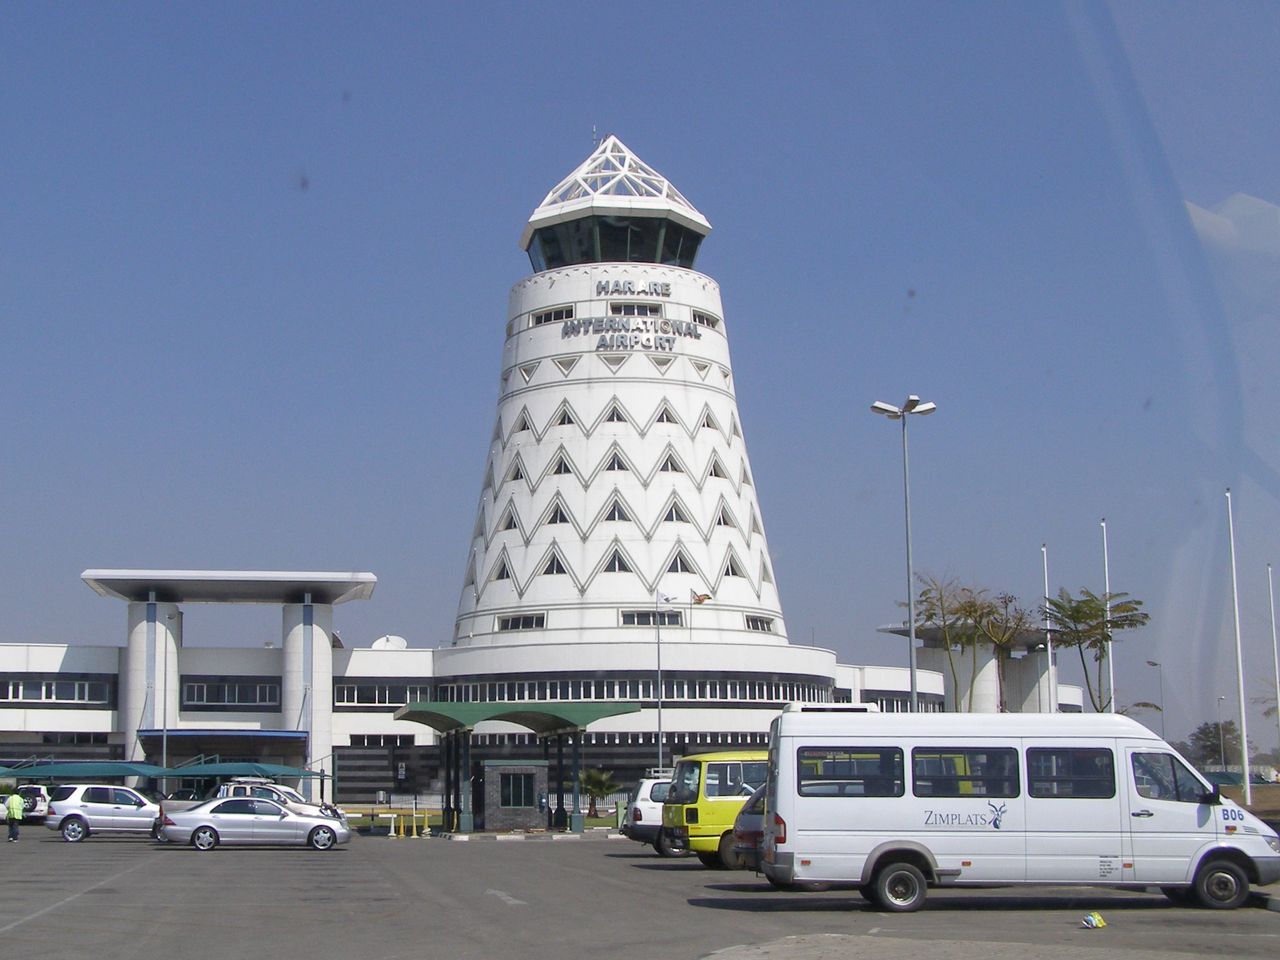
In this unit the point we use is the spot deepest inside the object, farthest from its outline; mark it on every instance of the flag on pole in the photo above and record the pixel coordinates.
(697, 597)
(660, 597)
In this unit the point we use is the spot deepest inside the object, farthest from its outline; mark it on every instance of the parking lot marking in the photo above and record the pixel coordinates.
(506, 898)
(75, 896)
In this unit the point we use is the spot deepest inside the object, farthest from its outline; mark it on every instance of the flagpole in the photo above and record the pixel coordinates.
(1275, 648)
(1048, 632)
(1235, 602)
(1106, 599)
(657, 628)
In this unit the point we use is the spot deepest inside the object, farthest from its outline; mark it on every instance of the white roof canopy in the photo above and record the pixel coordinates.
(613, 180)
(230, 586)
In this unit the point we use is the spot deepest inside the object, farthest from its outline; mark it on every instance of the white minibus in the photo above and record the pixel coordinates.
(896, 803)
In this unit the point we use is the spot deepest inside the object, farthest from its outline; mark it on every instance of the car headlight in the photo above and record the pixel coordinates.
(1274, 843)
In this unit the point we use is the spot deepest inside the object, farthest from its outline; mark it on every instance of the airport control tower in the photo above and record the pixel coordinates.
(617, 471)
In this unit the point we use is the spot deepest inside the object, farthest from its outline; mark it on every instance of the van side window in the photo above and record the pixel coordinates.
(1162, 776)
(964, 772)
(854, 771)
(1076, 772)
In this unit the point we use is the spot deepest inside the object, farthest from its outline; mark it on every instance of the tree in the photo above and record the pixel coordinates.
(1211, 746)
(1089, 623)
(1001, 621)
(597, 784)
(949, 609)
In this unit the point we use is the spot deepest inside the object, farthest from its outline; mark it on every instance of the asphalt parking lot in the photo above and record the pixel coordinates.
(383, 899)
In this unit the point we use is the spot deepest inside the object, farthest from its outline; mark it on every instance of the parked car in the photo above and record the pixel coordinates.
(707, 791)
(80, 810)
(643, 820)
(35, 803)
(748, 831)
(251, 820)
(259, 787)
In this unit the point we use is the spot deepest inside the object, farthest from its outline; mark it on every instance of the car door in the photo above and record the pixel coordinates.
(233, 819)
(1169, 821)
(271, 824)
(97, 806)
(131, 811)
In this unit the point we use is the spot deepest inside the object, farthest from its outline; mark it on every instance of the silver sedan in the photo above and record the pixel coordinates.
(242, 820)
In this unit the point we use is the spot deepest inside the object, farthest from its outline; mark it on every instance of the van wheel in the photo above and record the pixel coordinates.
(710, 860)
(898, 888)
(729, 858)
(1221, 885)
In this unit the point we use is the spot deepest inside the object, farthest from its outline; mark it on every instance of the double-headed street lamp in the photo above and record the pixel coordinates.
(912, 405)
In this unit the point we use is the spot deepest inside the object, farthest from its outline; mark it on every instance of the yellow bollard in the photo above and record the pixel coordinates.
(413, 822)
(400, 826)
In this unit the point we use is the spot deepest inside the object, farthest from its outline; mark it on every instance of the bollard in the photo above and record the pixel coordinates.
(400, 827)
(413, 824)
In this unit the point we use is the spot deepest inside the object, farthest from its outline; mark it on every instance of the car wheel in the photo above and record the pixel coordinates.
(665, 848)
(730, 859)
(899, 888)
(74, 829)
(322, 838)
(204, 838)
(1221, 885)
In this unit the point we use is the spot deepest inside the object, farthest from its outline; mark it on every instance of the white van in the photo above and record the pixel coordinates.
(900, 802)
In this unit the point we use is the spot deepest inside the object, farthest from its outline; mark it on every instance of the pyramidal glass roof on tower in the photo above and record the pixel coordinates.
(614, 183)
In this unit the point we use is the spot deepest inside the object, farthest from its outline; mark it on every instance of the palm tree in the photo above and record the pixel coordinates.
(1088, 622)
(597, 783)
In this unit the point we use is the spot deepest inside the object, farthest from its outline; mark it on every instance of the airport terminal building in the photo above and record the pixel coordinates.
(618, 558)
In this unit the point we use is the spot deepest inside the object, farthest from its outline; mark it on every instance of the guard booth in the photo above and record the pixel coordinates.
(559, 721)
(511, 795)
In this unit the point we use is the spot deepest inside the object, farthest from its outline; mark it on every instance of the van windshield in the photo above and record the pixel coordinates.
(684, 783)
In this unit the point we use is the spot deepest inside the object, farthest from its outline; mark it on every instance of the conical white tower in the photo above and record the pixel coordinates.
(617, 489)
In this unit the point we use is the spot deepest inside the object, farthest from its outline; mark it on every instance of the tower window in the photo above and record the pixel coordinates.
(616, 463)
(616, 564)
(705, 320)
(731, 569)
(671, 465)
(554, 566)
(680, 564)
(760, 624)
(617, 512)
(675, 515)
(666, 416)
(552, 316)
(615, 416)
(562, 467)
(503, 573)
(558, 515)
(565, 419)
(647, 618)
(635, 309)
(528, 621)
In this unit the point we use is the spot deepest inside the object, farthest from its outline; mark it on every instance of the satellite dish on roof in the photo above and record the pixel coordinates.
(390, 642)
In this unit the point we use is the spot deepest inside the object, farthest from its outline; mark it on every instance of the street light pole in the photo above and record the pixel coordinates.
(1275, 648)
(911, 406)
(1222, 749)
(1106, 600)
(1159, 673)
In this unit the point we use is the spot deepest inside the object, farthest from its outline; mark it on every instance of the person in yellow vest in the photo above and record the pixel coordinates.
(13, 806)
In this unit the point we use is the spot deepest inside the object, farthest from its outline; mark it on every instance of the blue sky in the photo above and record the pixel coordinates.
(256, 261)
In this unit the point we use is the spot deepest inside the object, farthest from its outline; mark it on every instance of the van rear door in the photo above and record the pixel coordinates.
(1168, 821)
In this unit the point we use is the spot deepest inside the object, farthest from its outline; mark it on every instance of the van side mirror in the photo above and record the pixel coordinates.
(1213, 797)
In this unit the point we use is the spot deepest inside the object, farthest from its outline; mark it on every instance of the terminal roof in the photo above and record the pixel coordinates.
(230, 586)
(613, 181)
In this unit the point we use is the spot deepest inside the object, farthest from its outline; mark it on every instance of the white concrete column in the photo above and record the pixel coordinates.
(306, 696)
(986, 684)
(148, 662)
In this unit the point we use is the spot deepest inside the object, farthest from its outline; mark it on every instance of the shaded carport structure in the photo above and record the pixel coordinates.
(554, 720)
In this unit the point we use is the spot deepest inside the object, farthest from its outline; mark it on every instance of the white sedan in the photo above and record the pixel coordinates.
(246, 820)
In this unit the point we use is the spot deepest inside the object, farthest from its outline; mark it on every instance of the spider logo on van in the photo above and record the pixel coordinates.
(997, 813)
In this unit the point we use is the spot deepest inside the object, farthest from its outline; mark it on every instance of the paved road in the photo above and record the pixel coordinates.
(380, 899)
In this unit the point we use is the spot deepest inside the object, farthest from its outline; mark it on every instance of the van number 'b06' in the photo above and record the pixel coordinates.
(1229, 813)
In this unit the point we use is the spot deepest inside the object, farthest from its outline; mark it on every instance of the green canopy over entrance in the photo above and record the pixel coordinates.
(73, 770)
(542, 717)
(243, 769)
